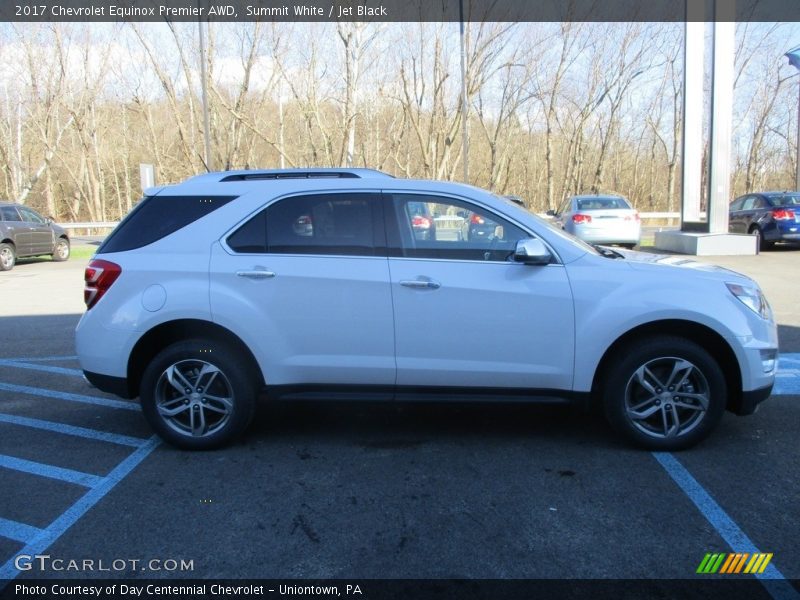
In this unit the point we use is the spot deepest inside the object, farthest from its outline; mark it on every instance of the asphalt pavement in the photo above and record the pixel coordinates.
(365, 490)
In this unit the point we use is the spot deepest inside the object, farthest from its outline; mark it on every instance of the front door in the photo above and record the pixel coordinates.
(465, 315)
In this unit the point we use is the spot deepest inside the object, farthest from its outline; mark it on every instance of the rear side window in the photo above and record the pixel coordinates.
(325, 224)
(156, 217)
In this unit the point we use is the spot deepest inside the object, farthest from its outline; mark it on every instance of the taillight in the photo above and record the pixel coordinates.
(783, 214)
(634, 217)
(99, 276)
(579, 218)
(421, 222)
(477, 220)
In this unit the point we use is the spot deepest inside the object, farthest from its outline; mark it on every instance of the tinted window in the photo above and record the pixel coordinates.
(156, 217)
(737, 204)
(786, 200)
(10, 213)
(335, 224)
(749, 203)
(759, 203)
(250, 238)
(29, 215)
(450, 229)
(600, 203)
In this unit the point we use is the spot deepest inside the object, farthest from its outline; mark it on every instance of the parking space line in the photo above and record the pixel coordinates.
(772, 579)
(83, 432)
(43, 470)
(19, 532)
(17, 364)
(69, 517)
(24, 389)
(42, 358)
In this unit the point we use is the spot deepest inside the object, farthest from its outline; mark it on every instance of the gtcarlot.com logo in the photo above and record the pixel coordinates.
(44, 562)
(734, 562)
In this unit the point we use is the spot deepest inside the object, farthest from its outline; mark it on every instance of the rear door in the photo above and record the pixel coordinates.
(305, 281)
(16, 230)
(736, 222)
(467, 317)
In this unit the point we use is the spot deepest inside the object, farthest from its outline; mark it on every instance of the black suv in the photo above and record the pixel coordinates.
(24, 232)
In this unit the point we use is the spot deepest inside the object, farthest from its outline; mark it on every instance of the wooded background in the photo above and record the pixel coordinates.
(554, 108)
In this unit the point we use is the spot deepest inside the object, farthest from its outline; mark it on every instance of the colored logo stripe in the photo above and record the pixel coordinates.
(734, 562)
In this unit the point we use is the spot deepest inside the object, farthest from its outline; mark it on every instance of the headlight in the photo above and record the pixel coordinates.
(752, 298)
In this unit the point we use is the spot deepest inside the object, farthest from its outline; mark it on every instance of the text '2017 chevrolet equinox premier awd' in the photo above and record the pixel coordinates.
(316, 284)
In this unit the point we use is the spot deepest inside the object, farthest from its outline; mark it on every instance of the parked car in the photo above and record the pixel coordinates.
(207, 294)
(599, 219)
(770, 216)
(421, 219)
(24, 232)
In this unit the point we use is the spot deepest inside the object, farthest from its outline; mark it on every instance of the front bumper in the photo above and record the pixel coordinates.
(748, 403)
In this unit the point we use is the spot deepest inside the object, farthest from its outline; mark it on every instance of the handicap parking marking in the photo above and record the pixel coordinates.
(70, 397)
(19, 532)
(787, 379)
(47, 536)
(37, 539)
(18, 364)
(772, 579)
(49, 471)
(92, 434)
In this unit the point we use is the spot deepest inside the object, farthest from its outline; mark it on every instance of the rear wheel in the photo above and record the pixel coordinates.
(8, 257)
(61, 251)
(665, 393)
(196, 394)
(761, 243)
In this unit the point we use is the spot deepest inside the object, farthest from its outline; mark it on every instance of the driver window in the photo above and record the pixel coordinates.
(445, 228)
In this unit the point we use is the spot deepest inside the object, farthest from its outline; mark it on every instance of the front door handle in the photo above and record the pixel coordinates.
(256, 274)
(421, 284)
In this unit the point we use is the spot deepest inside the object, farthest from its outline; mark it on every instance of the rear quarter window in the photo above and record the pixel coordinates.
(156, 217)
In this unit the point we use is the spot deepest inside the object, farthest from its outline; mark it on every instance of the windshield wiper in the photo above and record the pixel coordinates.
(607, 252)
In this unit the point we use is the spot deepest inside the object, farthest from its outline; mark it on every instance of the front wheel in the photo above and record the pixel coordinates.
(196, 394)
(665, 393)
(61, 251)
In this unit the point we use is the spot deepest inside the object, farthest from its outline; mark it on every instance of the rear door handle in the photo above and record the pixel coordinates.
(256, 274)
(421, 284)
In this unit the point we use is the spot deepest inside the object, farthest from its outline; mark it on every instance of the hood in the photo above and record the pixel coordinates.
(646, 260)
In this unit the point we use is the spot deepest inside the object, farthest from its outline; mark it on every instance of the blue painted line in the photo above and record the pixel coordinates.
(24, 389)
(49, 471)
(16, 364)
(83, 432)
(19, 532)
(67, 519)
(43, 358)
(787, 379)
(772, 579)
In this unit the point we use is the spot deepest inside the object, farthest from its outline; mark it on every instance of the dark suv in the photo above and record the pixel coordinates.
(24, 232)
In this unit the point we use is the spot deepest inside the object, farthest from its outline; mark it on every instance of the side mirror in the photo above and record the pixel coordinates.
(531, 251)
(551, 213)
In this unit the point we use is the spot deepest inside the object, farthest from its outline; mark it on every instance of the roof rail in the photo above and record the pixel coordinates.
(256, 175)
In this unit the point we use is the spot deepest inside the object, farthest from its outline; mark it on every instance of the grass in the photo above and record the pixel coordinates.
(83, 253)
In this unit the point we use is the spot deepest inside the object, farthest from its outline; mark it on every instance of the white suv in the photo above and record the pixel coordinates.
(328, 283)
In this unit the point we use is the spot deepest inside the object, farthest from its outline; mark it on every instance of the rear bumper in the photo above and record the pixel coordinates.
(109, 384)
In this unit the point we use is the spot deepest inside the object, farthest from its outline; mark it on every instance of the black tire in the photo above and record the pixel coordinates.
(215, 422)
(61, 251)
(8, 257)
(673, 425)
(761, 243)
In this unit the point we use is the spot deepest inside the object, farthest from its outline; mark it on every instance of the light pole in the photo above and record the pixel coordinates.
(464, 105)
(794, 60)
